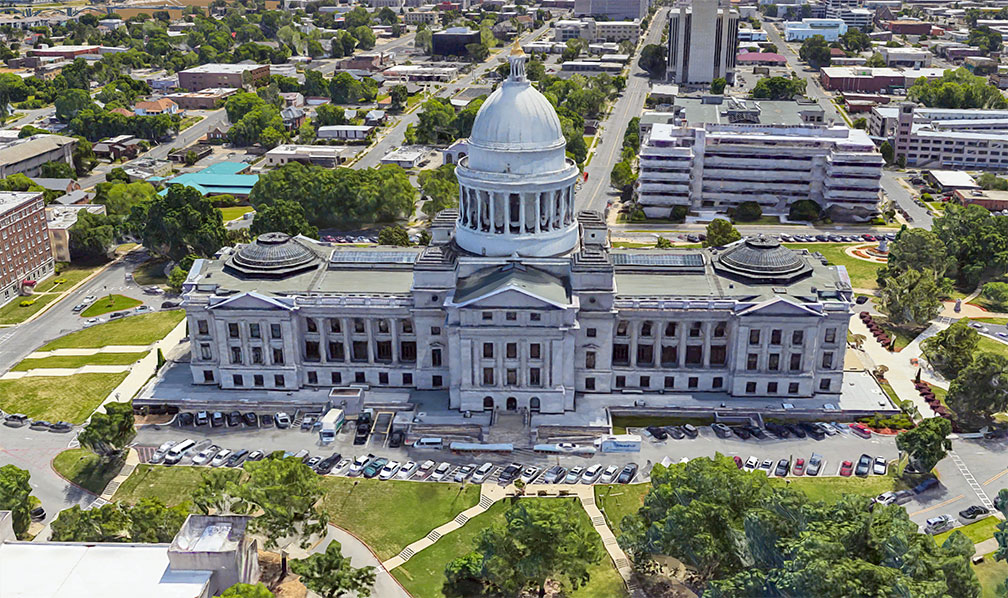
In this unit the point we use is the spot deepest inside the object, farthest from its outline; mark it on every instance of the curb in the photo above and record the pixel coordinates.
(68, 291)
(60, 476)
(365, 544)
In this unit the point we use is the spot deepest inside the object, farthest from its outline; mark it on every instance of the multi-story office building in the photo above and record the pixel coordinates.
(518, 302)
(968, 143)
(222, 75)
(612, 10)
(26, 156)
(883, 119)
(830, 28)
(714, 167)
(702, 41)
(453, 41)
(596, 31)
(25, 254)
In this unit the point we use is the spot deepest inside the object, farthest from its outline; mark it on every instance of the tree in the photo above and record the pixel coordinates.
(855, 40)
(538, 541)
(394, 235)
(815, 51)
(653, 60)
(398, 96)
(478, 52)
(917, 249)
(120, 198)
(364, 36)
(328, 114)
(435, 122)
(911, 298)
(980, 389)
(440, 187)
(663, 243)
(805, 209)
(149, 521)
(957, 88)
(951, 350)
(57, 170)
(717, 86)
(464, 577)
(330, 575)
(176, 278)
(985, 38)
(91, 236)
(283, 216)
(778, 88)
(927, 444)
(191, 158)
(83, 157)
(875, 61)
(117, 174)
(623, 178)
(71, 101)
(109, 433)
(996, 293)
(247, 590)
(887, 151)
(748, 211)
(178, 223)
(423, 40)
(15, 496)
(1001, 502)
(720, 232)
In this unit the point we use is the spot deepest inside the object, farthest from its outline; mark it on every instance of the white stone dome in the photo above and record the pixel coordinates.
(517, 117)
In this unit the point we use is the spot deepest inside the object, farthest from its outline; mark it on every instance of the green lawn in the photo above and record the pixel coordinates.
(84, 468)
(108, 304)
(171, 485)
(990, 345)
(631, 245)
(53, 398)
(150, 273)
(991, 574)
(995, 321)
(13, 313)
(617, 501)
(862, 273)
(830, 488)
(977, 531)
(76, 361)
(423, 575)
(390, 515)
(140, 330)
(70, 275)
(234, 212)
(620, 423)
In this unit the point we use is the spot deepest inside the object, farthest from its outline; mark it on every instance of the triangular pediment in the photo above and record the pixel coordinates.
(510, 297)
(778, 306)
(251, 300)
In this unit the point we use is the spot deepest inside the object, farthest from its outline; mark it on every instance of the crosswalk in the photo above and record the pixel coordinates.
(973, 484)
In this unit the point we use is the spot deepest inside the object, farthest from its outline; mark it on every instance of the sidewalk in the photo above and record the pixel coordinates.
(901, 372)
(56, 372)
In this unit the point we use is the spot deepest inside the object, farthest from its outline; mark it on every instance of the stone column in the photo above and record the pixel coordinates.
(369, 330)
(347, 344)
(634, 324)
(659, 335)
(493, 224)
(394, 331)
(538, 211)
(681, 353)
(705, 330)
(323, 328)
(521, 214)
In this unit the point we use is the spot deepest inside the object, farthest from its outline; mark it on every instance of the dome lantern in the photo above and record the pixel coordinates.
(517, 60)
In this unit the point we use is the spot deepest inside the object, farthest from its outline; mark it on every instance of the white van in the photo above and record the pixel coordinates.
(429, 443)
(178, 451)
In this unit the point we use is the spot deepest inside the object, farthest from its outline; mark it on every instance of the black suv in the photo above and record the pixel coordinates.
(234, 419)
(185, 419)
(657, 432)
(510, 473)
(627, 475)
(363, 430)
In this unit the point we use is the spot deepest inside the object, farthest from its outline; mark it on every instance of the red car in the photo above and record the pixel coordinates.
(738, 461)
(799, 467)
(846, 468)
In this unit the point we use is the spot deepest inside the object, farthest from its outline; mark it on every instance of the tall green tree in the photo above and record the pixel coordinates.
(15, 496)
(180, 223)
(57, 170)
(247, 590)
(71, 101)
(395, 236)
(918, 249)
(951, 350)
(815, 51)
(330, 575)
(623, 178)
(283, 216)
(91, 236)
(441, 189)
(653, 60)
(927, 444)
(980, 389)
(911, 298)
(109, 433)
(720, 232)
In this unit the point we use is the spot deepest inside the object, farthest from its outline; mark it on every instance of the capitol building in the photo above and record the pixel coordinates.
(519, 302)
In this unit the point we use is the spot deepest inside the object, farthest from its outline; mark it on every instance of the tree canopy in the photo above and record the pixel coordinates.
(440, 188)
(815, 51)
(15, 496)
(721, 232)
(951, 350)
(980, 389)
(927, 444)
(109, 432)
(180, 223)
(92, 236)
(653, 60)
(911, 298)
(330, 575)
(778, 88)
(285, 216)
(148, 521)
(957, 89)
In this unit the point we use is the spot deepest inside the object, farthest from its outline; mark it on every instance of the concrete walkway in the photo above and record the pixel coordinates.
(84, 369)
(95, 351)
(360, 555)
(619, 558)
(901, 371)
(132, 460)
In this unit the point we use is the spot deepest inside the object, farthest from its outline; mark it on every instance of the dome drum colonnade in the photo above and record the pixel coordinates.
(516, 186)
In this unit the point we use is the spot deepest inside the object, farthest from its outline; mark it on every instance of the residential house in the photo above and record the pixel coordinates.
(117, 147)
(155, 107)
(293, 118)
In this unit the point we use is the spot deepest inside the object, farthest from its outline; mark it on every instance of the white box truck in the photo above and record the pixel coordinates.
(332, 421)
(619, 443)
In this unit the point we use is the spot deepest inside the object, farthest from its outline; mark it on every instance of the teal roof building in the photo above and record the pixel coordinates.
(216, 179)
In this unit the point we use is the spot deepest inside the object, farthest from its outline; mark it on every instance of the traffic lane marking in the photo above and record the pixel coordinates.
(996, 477)
(939, 505)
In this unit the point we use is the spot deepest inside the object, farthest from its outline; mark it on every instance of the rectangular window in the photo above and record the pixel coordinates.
(278, 381)
(312, 351)
(406, 326)
(720, 329)
(693, 382)
(754, 337)
(487, 316)
(435, 357)
(752, 361)
(336, 351)
(335, 326)
(383, 327)
(359, 377)
(254, 331)
(437, 382)
(488, 350)
(511, 350)
(831, 335)
(621, 328)
(535, 317)
(750, 387)
(591, 332)
(278, 357)
(718, 354)
(795, 362)
(695, 329)
(208, 375)
(233, 330)
(512, 377)
(645, 355)
(313, 378)
(257, 380)
(645, 382)
(670, 329)
(771, 388)
(797, 337)
(236, 379)
(589, 383)
(407, 379)
(827, 360)
(383, 351)
(510, 316)
(202, 327)
(774, 362)
(205, 351)
(717, 382)
(590, 360)
(535, 351)
(669, 382)
(645, 329)
(382, 377)
(534, 377)
(620, 381)
(358, 325)
(275, 331)
(669, 356)
(311, 325)
(694, 355)
(621, 354)
(407, 351)
(257, 355)
(488, 376)
(359, 351)
(336, 378)
(775, 337)
(236, 355)
(824, 384)
(792, 388)
(435, 331)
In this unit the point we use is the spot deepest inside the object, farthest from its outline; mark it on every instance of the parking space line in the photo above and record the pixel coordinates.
(939, 505)
(996, 477)
(984, 499)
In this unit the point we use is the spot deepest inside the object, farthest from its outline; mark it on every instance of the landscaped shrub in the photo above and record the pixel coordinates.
(27, 303)
(748, 211)
(805, 209)
(896, 422)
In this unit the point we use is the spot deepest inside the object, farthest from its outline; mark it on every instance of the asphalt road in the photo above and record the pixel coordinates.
(595, 192)
(395, 135)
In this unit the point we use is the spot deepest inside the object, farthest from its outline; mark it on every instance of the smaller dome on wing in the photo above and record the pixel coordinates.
(762, 259)
(273, 255)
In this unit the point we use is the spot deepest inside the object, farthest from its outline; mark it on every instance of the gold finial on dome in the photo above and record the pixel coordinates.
(516, 49)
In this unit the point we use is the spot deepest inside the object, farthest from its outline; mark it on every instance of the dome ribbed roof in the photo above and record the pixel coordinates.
(516, 117)
(762, 257)
(273, 255)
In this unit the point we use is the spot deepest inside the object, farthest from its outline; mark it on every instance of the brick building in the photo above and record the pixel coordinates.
(25, 254)
(222, 75)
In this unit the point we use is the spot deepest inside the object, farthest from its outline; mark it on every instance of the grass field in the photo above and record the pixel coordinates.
(991, 574)
(995, 321)
(617, 501)
(54, 398)
(423, 575)
(862, 273)
(70, 275)
(150, 273)
(620, 423)
(990, 345)
(76, 361)
(171, 485)
(830, 488)
(13, 313)
(108, 304)
(234, 212)
(977, 531)
(84, 468)
(388, 516)
(140, 330)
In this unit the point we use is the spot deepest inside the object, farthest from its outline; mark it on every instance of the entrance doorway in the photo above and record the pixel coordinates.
(488, 403)
(512, 404)
(534, 404)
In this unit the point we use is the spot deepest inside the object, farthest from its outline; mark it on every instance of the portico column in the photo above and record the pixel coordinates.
(681, 352)
(706, 331)
(633, 343)
(347, 346)
(394, 328)
(369, 329)
(479, 210)
(323, 340)
(521, 215)
(659, 334)
(538, 212)
(493, 223)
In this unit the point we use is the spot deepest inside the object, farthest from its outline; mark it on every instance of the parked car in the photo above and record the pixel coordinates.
(863, 465)
(282, 420)
(307, 423)
(424, 471)
(362, 433)
(358, 465)
(936, 525)
(391, 468)
(782, 468)
(721, 430)
(202, 418)
(528, 474)
(39, 424)
(37, 514)
(925, 485)
(799, 467)
(741, 432)
(256, 456)
(751, 464)
(236, 458)
(441, 471)
(755, 431)
(407, 470)
(217, 419)
(973, 512)
(766, 466)
(326, 465)
(15, 420)
(204, 456)
(396, 439)
(573, 475)
(159, 454)
(812, 430)
(185, 419)
(609, 474)
(797, 430)
(591, 474)
(554, 474)
(861, 430)
(879, 466)
(142, 309)
(266, 421)
(886, 498)
(480, 475)
(510, 473)
(738, 461)
(234, 419)
(79, 308)
(464, 472)
(657, 432)
(815, 464)
(313, 461)
(675, 432)
(61, 426)
(373, 468)
(628, 474)
(250, 419)
(690, 430)
(846, 468)
(220, 458)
